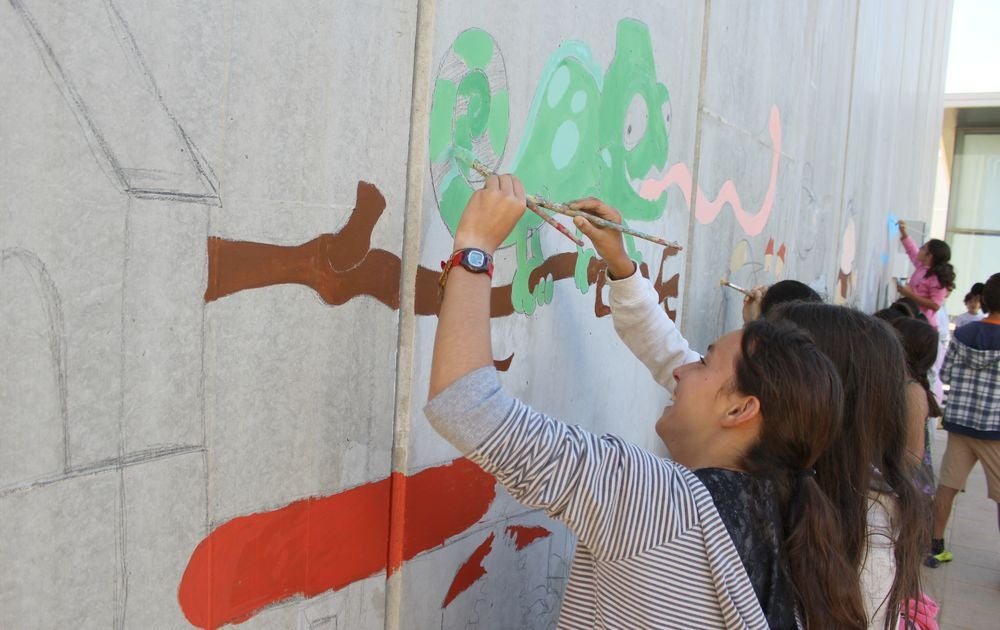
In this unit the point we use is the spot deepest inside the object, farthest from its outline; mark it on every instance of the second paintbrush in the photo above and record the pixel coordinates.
(469, 159)
(562, 208)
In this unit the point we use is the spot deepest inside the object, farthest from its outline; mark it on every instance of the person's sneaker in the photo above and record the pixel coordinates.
(938, 554)
(934, 560)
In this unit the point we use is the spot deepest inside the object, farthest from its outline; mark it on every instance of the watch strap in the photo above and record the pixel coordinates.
(456, 258)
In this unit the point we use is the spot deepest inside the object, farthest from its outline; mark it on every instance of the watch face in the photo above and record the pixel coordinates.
(476, 259)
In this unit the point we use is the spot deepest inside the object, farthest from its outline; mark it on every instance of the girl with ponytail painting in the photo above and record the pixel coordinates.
(933, 276)
(864, 469)
(732, 531)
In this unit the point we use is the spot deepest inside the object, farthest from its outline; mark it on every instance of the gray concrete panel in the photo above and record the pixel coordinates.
(165, 503)
(61, 551)
(162, 317)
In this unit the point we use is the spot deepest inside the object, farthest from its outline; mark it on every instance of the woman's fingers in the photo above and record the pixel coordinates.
(519, 189)
(507, 184)
(597, 207)
(589, 229)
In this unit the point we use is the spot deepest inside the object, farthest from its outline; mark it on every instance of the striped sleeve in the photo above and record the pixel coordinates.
(617, 498)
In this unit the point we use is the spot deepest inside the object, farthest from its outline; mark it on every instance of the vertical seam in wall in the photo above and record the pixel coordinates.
(832, 278)
(696, 158)
(933, 141)
(898, 162)
(943, 37)
(410, 259)
(921, 118)
(938, 63)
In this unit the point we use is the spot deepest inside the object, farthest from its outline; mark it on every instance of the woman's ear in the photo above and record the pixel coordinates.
(744, 409)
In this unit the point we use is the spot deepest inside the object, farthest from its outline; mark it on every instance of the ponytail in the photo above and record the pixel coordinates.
(801, 401)
(871, 364)
(826, 581)
(940, 267)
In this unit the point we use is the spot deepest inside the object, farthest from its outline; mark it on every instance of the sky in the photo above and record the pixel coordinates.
(974, 47)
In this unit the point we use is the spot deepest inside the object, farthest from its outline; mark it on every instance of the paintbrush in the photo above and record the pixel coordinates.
(562, 208)
(469, 159)
(726, 283)
(481, 168)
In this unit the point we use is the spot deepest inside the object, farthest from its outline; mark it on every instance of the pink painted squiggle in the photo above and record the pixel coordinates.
(706, 211)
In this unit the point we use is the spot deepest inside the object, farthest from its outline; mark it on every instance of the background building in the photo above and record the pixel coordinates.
(967, 199)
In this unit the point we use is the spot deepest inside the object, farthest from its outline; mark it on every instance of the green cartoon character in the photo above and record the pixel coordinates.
(587, 133)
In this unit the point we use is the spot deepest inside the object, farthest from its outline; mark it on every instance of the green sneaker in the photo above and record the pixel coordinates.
(944, 556)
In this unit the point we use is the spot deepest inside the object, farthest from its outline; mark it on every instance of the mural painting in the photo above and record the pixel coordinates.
(597, 124)
(588, 133)
(568, 118)
(579, 133)
(845, 267)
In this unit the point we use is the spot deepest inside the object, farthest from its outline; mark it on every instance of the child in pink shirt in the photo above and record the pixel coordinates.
(933, 277)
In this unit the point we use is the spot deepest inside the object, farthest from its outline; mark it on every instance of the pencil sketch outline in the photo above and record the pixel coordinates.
(48, 294)
(97, 141)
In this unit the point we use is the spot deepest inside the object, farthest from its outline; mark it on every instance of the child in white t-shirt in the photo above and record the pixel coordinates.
(974, 312)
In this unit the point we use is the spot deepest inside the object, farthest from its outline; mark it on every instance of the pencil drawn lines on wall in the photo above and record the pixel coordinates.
(103, 465)
(135, 137)
(813, 211)
(35, 328)
(35, 414)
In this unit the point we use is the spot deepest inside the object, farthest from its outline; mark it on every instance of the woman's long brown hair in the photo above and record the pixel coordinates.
(870, 452)
(801, 402)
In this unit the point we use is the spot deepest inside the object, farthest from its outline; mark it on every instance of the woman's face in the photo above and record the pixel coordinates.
(705, 392)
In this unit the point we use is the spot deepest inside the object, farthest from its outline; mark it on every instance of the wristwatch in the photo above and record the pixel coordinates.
(473, 259)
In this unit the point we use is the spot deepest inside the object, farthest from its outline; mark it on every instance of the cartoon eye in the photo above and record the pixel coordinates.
(636, 121)
(666, 116)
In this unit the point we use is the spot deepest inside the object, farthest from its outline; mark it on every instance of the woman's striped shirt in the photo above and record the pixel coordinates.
(652, 551)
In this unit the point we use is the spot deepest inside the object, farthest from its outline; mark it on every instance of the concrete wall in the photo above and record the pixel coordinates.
(221, 224)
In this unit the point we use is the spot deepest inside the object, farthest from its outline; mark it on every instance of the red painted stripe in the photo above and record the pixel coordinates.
(524, 536)
(319, 544)
(469, 572)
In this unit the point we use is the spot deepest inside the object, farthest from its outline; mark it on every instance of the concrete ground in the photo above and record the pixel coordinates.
(968, 587)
